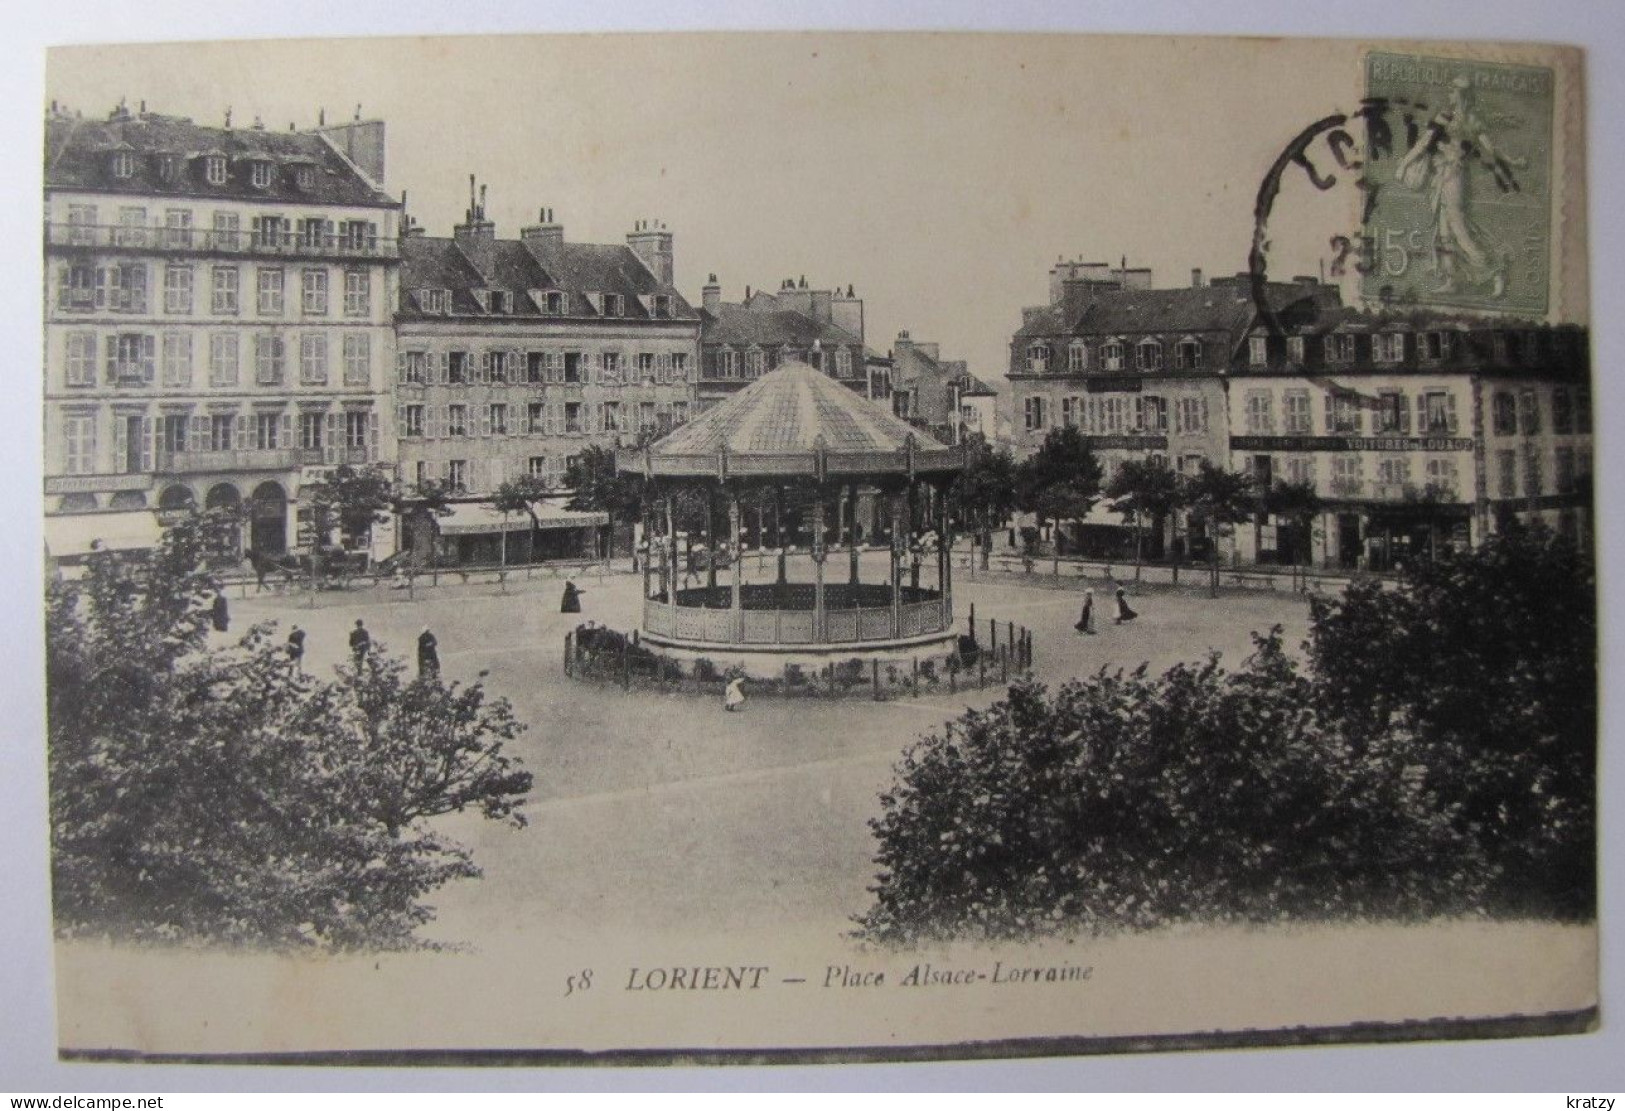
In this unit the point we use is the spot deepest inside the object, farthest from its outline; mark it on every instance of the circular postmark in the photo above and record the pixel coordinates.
(1444, 191)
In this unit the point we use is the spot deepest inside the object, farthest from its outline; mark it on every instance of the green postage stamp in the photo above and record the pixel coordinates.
(1462, 213)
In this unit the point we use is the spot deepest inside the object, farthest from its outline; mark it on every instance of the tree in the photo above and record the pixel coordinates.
(1145, 489)
(1298, 504)
(519, 495)
(1217, 498)
(1434, 755)
(985, 490)
(1061, 480)
(1486, 660)
(598, 485)
(350, 498)
(219, 796)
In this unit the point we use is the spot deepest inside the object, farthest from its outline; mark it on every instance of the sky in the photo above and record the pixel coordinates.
(939, 175)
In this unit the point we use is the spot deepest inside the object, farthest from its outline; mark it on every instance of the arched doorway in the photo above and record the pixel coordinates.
(128, 499)
(268, 523)
(226, 544)
(177, 498)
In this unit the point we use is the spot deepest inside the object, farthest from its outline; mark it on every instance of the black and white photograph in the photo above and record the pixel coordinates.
(803, 547)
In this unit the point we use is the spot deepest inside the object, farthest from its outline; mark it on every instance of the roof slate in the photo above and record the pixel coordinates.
(77, 157)
(743, 326)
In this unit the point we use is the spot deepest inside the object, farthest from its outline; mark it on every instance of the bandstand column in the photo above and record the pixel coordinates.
(778, 528)
(669, 565)
(945, 564)
(899, 537)
(710, 543)
(820, 634)
(739, 567)
(852, 530)
(648, 547)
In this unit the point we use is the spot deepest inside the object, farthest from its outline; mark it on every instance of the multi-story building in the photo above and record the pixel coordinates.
(742, 341)
(1415, 430)
(515, 355)
(217, 317)
(937, 394)
(1140, 371)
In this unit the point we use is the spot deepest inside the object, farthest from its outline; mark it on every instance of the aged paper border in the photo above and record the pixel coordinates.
(23, 501)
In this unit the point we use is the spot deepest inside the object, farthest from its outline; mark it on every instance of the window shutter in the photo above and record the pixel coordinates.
(1404, 408)
(1139, 414)
(1204, 415)
(240, 428)
(485, 420)
(199, 433)
(1421, 414)
(330, 441)
(400, 420)
(483, 374)
(121, 443)
(442, 369)
(1331, 411)
(400, 366)
(149, 357)
(1450, 412)
(1359, 417)
(112, 358)
(101, 287)
(372, 435)
(284, 436)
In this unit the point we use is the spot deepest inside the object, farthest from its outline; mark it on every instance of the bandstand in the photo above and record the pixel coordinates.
(828, 474)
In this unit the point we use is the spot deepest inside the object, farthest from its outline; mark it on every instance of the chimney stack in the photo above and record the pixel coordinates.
(1196, 277)
(711, 296)
(544, 235)
(652, 243)
(477, 236)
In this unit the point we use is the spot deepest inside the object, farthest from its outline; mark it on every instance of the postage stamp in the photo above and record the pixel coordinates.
(1462, 213)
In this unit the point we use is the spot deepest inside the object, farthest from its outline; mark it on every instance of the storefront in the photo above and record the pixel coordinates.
(70, 540)
(476, 534)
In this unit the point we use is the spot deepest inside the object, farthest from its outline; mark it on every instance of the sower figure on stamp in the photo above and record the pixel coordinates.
(1086, 620)
(428, 655)
(360, 642)
(1464, 251)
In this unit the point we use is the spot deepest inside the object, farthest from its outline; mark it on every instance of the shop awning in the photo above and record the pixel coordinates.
(80, 534)
(472, 518)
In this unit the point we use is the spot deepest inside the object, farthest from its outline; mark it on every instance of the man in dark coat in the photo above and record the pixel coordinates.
(220, 613)
(428, 655)
(572, 598)
(360, 642)
(296, 650)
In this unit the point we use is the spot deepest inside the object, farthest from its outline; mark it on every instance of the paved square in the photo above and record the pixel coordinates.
(654, 808)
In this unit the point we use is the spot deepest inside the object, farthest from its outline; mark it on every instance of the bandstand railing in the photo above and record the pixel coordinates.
(705, 625)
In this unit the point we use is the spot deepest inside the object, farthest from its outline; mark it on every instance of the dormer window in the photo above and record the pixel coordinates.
(1436, 346)
(123, 164)
(304, 177)
(482, 297)
(435, 301)
(1188, 355)
(551, 303)
(660, 307)
(1038, 358)
(1258, 351)
(613, 305)
(214, 169)
(1148, 355)
(1388, 347)
(501, 302)
(169, 167)
(843, 362)
(262, 174)
(1077, 356)
(1111, 355)
(1340, 348)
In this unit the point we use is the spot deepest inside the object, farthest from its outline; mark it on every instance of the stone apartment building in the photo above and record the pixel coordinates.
(741, 341)
(514, 355)
(1415, 430)
(937, 394)
(217, 321)
(1141, 371)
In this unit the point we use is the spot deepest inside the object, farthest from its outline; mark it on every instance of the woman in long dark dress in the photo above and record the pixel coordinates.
(572, 598)
(220, 613)
(1124, 613)
(1086, 620)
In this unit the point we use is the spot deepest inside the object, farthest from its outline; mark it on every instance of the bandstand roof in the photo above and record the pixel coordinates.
(794, 421)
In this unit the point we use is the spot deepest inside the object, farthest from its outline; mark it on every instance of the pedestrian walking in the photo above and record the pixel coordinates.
(571, 602)
(360, 642)
(734, 696)
(296, 651)
(1086, 620)
(220, 613)
(1124, 613)
(428, 655)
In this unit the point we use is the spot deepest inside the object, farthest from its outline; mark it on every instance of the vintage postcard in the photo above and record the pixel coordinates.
(797, 547)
